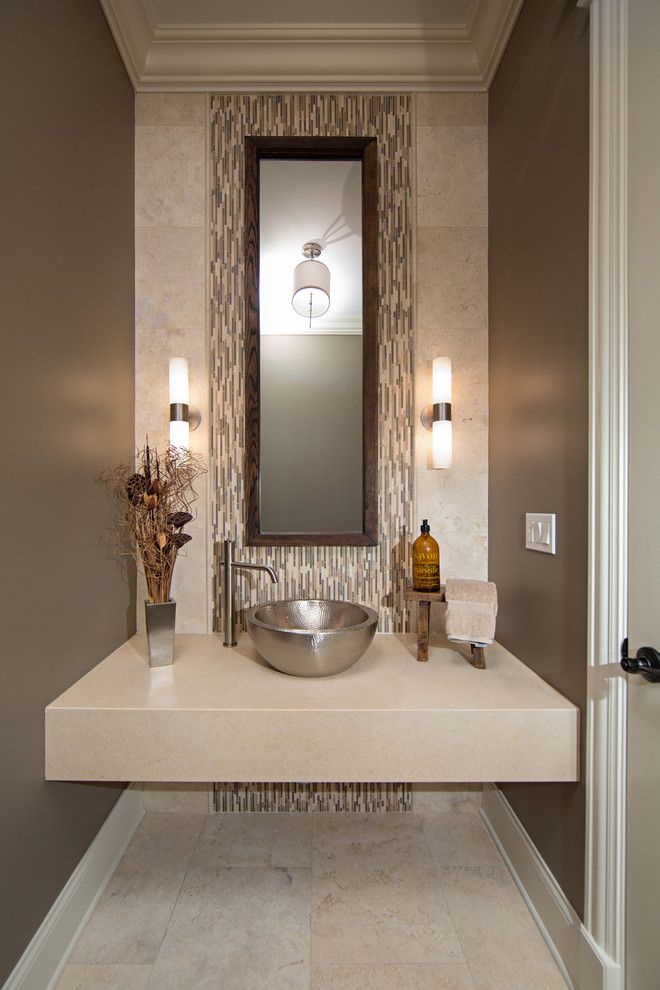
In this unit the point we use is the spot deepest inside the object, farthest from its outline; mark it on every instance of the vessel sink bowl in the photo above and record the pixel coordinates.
(310, 637)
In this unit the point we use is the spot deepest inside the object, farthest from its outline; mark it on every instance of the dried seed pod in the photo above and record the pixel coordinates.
(179, 519)
(136, 486)
(150, 501)
(155, 488)
(161, 539)
(180, 539)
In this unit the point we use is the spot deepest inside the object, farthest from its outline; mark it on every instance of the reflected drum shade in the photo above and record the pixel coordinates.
(311, 289)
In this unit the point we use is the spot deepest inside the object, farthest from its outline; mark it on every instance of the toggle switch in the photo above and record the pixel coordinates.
(540, 531)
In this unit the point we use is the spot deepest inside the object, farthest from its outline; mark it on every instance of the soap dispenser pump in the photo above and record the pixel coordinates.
(426, 561)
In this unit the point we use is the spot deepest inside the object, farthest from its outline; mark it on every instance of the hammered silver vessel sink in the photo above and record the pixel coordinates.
(311, 637)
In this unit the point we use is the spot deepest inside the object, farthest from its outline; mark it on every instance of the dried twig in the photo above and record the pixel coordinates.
(153, 505)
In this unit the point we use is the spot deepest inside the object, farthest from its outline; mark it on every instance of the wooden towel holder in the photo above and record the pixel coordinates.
(424, 599)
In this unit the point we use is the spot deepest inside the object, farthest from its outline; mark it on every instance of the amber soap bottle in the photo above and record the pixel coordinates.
(426, 561)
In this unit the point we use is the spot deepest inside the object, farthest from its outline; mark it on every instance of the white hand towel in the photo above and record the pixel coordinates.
(471, 611)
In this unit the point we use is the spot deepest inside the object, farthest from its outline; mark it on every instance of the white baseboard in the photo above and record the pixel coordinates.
(583, 964)
(41, 964)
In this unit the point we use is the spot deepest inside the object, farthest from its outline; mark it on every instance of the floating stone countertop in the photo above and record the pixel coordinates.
(224, 714)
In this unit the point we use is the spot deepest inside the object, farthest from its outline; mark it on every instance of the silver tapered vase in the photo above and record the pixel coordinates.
(160, 618)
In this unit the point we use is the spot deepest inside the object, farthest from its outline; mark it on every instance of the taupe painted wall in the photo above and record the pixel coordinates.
(66, 304)
(538, 311)
(311, 433)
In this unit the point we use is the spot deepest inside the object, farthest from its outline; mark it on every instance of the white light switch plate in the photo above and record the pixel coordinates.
(540, 531)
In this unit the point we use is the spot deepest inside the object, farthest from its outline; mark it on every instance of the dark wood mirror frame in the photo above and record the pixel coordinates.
(341, 148)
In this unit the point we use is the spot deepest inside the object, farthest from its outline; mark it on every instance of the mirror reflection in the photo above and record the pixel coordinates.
(310, 323)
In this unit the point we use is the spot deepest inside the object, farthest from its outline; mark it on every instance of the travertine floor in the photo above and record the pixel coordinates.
(352, 902)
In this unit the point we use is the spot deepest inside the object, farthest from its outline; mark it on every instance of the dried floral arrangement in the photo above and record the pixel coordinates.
(153, 506)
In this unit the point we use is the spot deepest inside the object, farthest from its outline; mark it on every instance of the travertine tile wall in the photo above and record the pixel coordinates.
(171, 302)
(172, 181)
(452, 319)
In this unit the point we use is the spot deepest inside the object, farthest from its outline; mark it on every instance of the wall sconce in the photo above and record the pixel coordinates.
(311, 284)
(183, 417)
(437, 417)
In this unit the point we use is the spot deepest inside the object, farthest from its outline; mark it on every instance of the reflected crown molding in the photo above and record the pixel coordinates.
(374, 57)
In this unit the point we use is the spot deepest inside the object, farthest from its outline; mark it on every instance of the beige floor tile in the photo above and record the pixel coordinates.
(176, 797)
(461, 840)
(502, 945)
(130, 920)
(105, 977)
(429, 976)
(162, 845)
(247, 839)
(376, 895)
(238, 929)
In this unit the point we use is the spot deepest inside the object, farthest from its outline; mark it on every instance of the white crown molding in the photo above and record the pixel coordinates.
(310, 57)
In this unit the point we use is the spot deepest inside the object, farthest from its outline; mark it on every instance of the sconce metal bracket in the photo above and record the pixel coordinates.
(180, 412)
(435, 412)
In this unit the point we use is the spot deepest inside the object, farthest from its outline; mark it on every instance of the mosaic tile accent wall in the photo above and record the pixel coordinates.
(312, 797)
(374, 576)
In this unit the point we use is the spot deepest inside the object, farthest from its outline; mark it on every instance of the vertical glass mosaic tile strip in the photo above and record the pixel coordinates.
(374, 576)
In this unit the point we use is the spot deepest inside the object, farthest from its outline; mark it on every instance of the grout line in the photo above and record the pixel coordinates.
(176, 901)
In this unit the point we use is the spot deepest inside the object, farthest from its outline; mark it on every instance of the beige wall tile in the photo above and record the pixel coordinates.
(463, 109)
(170, 278)
(179, 798)
(452, 176)
(463, 555)
(459, 502)
(451, 290)
(452, 268)
(438, 798)
(170, 176)
(170, 108)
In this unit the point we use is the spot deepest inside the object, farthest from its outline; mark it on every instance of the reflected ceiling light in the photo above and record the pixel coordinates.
(311, 284)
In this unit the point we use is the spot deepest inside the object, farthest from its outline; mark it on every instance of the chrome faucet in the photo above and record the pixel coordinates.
(229, 590)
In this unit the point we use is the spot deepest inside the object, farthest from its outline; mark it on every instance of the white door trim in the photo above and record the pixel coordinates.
(608, 481)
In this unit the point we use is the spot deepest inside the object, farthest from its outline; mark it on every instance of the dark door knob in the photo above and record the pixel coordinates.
(646, 662)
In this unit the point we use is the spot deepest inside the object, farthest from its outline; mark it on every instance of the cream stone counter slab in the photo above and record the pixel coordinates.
(224, 714)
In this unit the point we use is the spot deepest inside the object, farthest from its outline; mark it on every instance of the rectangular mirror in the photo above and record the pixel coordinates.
(312, 357)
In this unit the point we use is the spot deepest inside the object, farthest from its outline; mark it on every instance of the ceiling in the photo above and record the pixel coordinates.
(369, 46)
(307, 12)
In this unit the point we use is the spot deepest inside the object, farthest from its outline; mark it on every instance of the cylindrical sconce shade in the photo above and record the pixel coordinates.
(442, 429)
(179, 399)
(180, 434)
(442, 379)
(179, 389)
(442, 443)
(311, 289)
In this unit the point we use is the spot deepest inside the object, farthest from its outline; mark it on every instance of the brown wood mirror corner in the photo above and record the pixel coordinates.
(311, 390)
